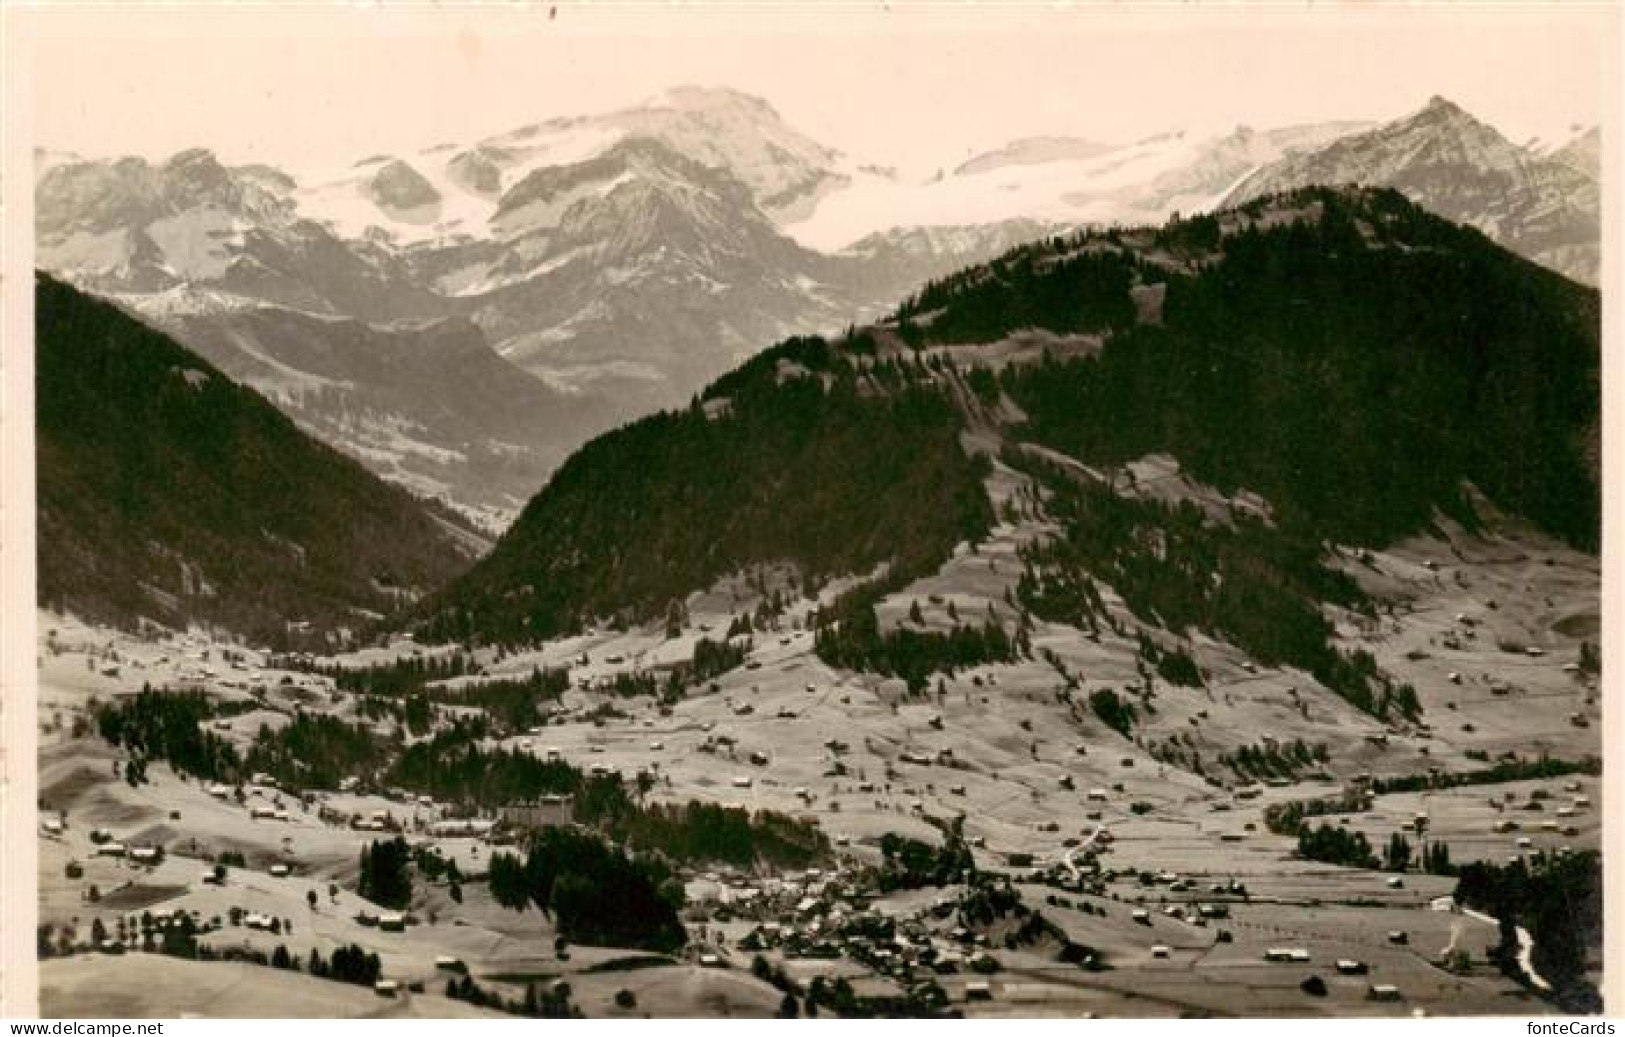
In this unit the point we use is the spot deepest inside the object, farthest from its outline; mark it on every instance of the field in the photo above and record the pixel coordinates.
(1075, 812)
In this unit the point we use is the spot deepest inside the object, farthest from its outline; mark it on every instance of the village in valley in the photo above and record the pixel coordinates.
(553, 517)
(1000, 843)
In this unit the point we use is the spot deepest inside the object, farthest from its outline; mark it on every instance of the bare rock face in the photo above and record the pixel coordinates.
(399, 190)
(477, 172)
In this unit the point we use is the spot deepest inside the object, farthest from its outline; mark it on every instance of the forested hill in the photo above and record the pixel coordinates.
(801, 455)
(1344, 354)
(1351, 359)
(168, 492)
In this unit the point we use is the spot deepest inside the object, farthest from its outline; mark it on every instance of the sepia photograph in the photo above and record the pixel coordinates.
(752, 511)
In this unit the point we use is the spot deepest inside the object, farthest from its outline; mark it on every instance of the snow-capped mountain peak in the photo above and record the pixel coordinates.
(1464, 169)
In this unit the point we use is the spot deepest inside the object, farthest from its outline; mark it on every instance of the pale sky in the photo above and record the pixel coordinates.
(906, 85)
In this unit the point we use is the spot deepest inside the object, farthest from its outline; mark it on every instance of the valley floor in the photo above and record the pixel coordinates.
(1037, 776)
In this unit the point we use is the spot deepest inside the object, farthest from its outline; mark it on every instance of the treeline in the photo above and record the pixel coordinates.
(454, 768)
(1114, 710)
(392, 679)
(169, 493)
(317, 751)
(1332, 844)
(386, 873)
(829, 476)
(514, 704)
(170, 726)
(413, 684)
(1287, 818)
(1079, 292)
(1354, 367)
(1558, 899)
(849, 636)
(1172, 664)
(1257, 586)
(700, 832)
(1275, 759)
(1506, 770)
(907, 863)
(594, 893)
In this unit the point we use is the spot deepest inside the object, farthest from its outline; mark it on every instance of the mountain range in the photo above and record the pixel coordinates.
(1544, 207)
(1312, 371)
(461, 317)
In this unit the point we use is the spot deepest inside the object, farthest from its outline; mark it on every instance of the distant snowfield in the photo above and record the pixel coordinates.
(338, 198)
(1111, 186)
(1117, 184)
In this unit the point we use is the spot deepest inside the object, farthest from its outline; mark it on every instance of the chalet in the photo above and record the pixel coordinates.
(447, 963)
(219, 791)
(392, 922)
(1159, 950)
(1383, 992)
(113, 849)
(144, 854)
(542, 812)
(280, 871)
(262, 813)
(52, 825)
(978, 990)
(386, 987)
(1352, 967)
